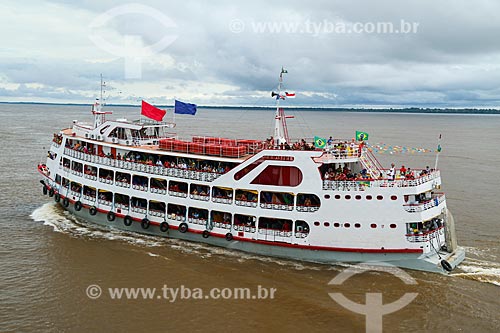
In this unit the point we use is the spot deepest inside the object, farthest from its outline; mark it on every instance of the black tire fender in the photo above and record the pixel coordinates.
(127, 220)
(229, 236)
(145, 223)
(78, 206)
(111, 216)
(93, 210)
(446, 265)
(183, 227)
(164, 226)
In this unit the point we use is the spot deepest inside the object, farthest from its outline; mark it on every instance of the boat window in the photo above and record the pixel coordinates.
(139, 182)
(244, 220)
(58, 179)
(159, 184)
(222, 194)
(179, 187)
(271, 223)
(308, 200)
(220, 217)
(122, 177)
(156, 208)
(276, 200)
(89, 191)
(174, 211)
(76, 166)
(198, 190)
(76, 187)
(243, 172)
(301, 228)
(197, 215)
(105, 197)
(105, 175)
(139, 203)
(91, 170)
(65, 182)
(279, 175)
(121, 200)
(246, 197)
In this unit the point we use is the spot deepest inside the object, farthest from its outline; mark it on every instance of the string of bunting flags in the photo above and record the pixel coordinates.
(380, 148)
(383, 148)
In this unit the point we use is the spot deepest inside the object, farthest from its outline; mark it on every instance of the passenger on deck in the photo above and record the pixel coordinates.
(392, 172)
(402, 171)
(286, 226)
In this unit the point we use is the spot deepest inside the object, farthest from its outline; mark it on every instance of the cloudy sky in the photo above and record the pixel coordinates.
(337, 53)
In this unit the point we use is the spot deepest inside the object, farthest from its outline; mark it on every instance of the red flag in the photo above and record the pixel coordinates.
(152, 112)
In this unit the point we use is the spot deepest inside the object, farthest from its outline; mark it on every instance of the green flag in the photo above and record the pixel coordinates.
(319, 142)
(361, 136)
(283, 70)
(439, 149)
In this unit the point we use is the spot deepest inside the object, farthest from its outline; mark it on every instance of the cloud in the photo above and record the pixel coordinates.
(231, 53)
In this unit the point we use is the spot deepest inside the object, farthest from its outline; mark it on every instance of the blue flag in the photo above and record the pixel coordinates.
(184, 108)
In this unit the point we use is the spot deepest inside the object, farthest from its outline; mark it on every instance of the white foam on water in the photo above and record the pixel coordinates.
(480, 270)
(64, 222)
(483, 253)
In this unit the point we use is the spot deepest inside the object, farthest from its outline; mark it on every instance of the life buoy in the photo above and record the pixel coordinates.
(78, 206)
(65, 202)
(127, 220)
(145, 223)
(111, 216)
(446, 265)
(206, 234)
(93, 210)
(183, 227)
(229, 236)
(57, 197)
(164, 226)
(51, 192)
(44, 190)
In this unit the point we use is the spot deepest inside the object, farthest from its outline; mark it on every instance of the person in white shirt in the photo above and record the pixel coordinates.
(392, 172)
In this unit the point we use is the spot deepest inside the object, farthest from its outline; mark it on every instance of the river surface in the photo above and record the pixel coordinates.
(48, 259)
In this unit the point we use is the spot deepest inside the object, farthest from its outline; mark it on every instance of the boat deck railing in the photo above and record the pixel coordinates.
(363, 184)
(422, 237)
(425, 205)
(143, 167)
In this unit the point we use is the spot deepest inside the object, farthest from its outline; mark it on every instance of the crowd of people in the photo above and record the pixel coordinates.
(158, 160)
(344, 173)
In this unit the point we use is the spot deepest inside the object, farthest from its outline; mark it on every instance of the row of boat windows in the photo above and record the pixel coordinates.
(359, 197)
(276, 175)
(283, 200)
(123, 202)
(349, 225)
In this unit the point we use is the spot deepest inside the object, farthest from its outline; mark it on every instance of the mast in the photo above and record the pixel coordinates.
(99, 115)
(280, 128)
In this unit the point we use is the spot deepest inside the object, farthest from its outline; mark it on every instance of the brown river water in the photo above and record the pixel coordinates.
(48, 259)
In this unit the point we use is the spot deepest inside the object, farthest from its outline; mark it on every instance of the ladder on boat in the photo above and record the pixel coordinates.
(371, 164)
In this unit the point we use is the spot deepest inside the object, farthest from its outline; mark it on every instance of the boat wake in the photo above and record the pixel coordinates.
(64, 222)
(481, 270)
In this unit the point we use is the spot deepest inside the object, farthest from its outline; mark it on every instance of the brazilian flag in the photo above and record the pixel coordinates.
(319, 142)
(361, 136)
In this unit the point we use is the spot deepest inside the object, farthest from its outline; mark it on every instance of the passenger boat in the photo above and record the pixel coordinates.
(258, 196)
